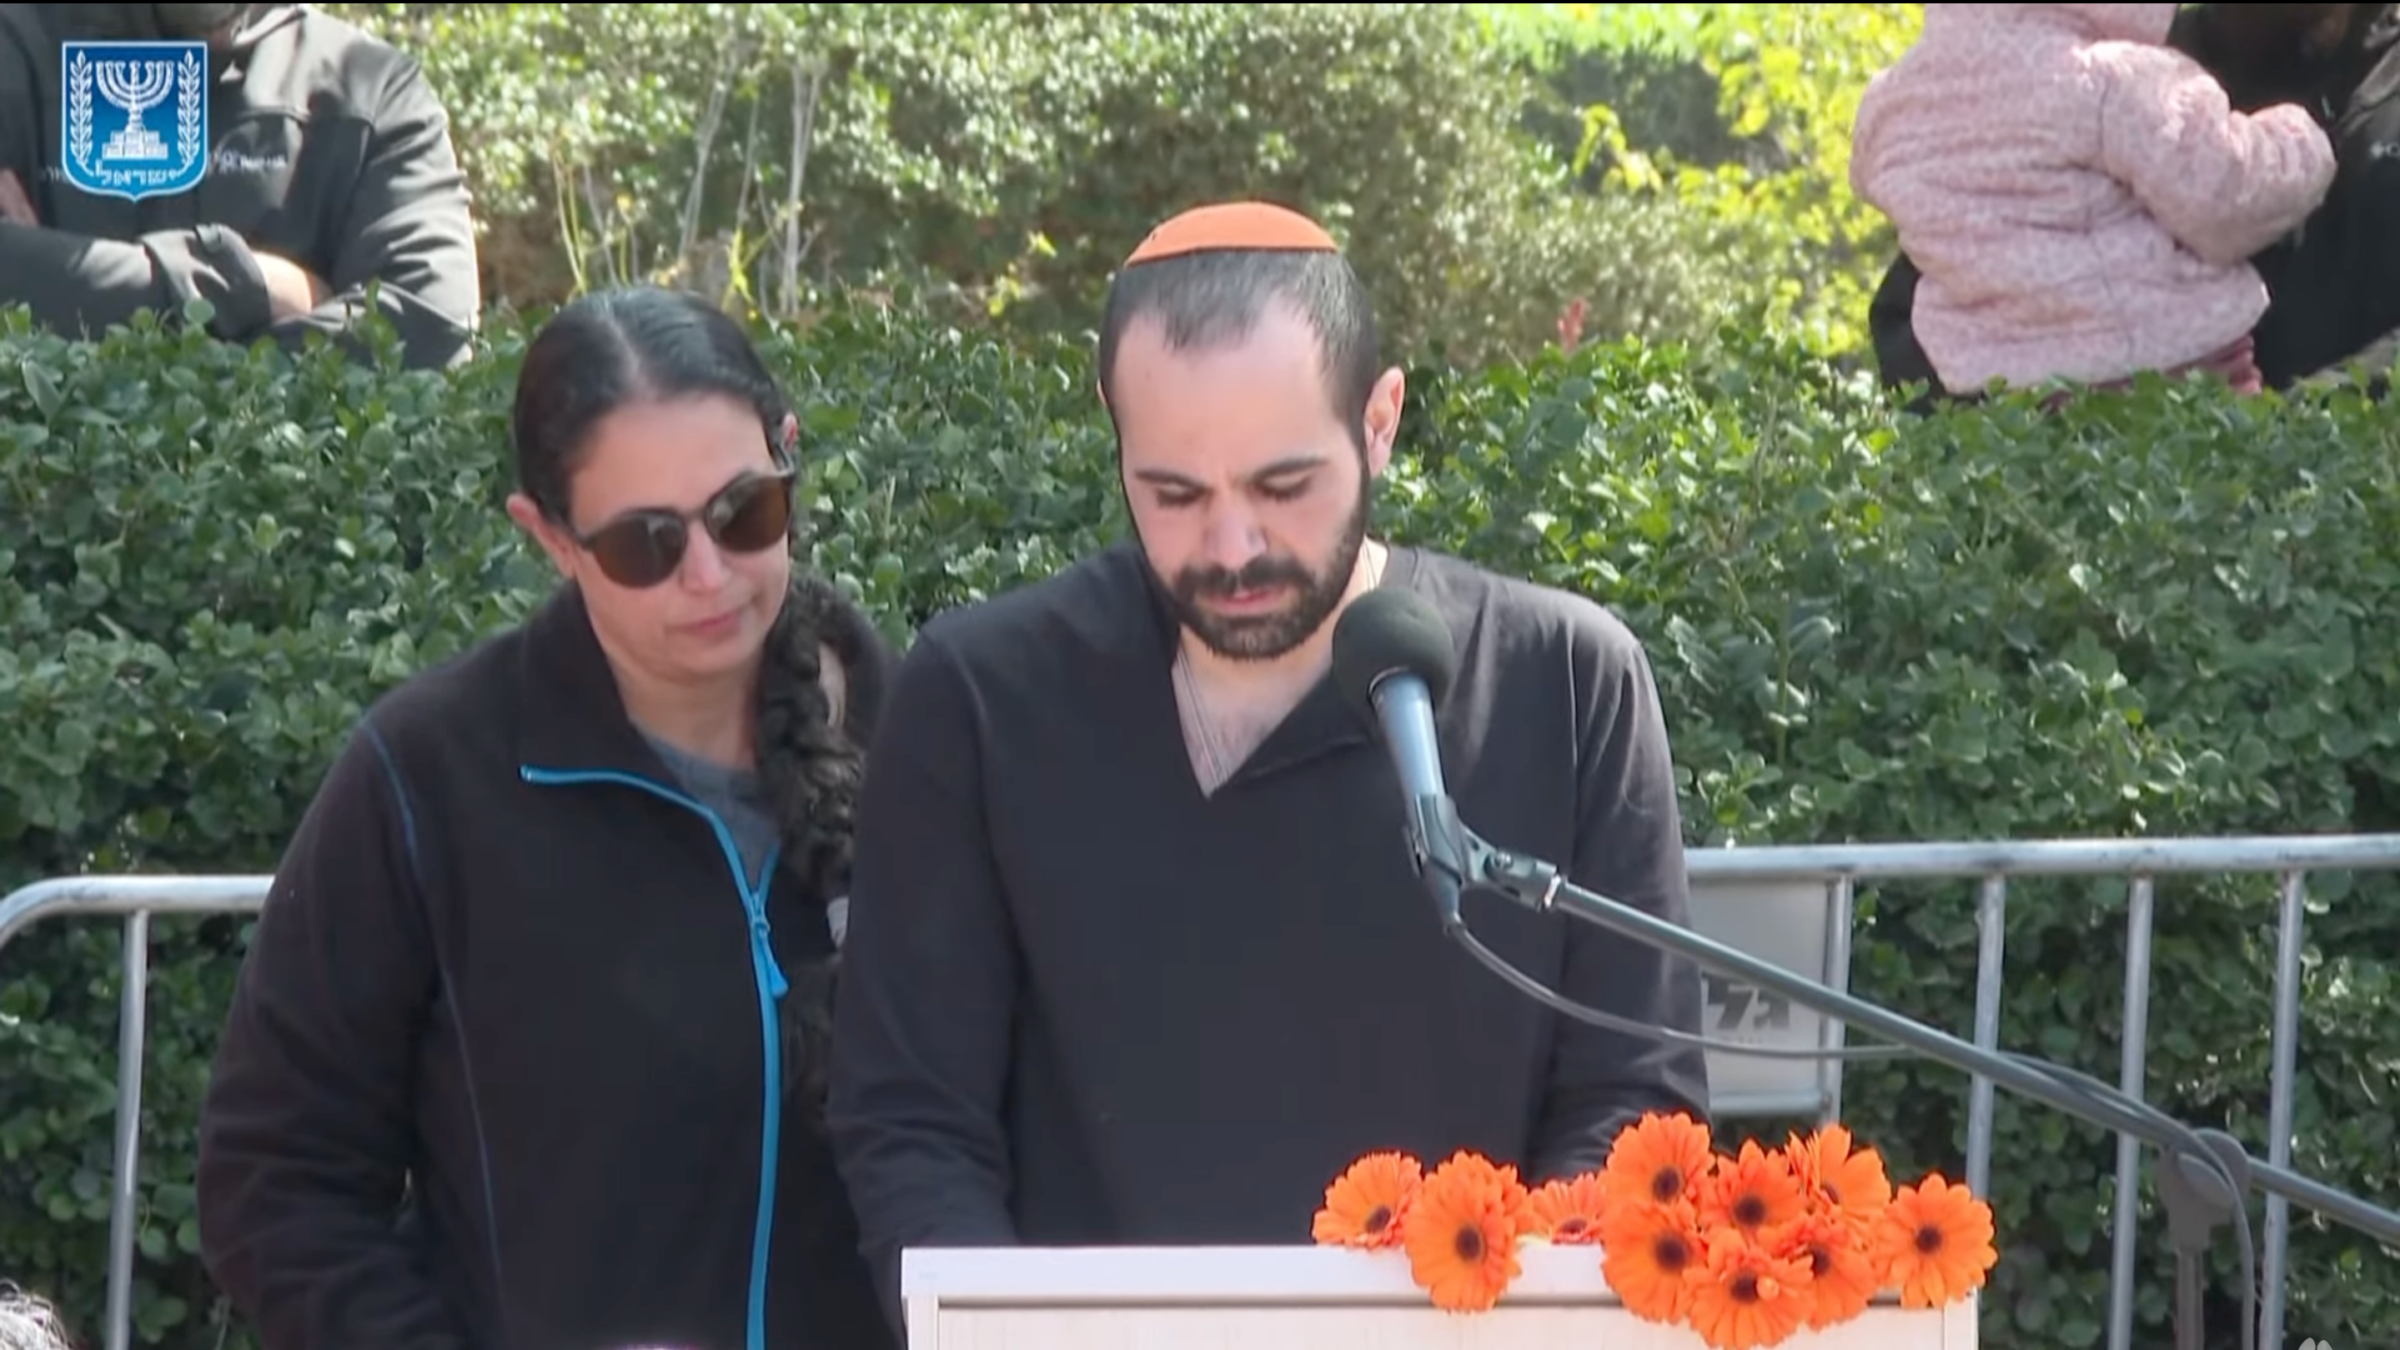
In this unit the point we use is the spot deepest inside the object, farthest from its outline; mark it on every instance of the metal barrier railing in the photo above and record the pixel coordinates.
(2289, 858)
(136, 898)
(1831, 870)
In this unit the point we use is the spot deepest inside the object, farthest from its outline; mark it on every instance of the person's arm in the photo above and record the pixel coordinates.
(1900, 360)
(306, 1127)
(1631, 850)
(79, 285)
(925, 1019)
(2225, 184)
(408, 233)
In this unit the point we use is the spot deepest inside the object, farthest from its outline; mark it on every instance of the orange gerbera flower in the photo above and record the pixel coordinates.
(1753, 1191)
(1648, 1252)
(1837, 1178)
(1934, 1242)
(1658, 1160)
(1365, 1205)
(1842, 1278)
(1461, 1232)
(1746, 1296)
(1567, 1210)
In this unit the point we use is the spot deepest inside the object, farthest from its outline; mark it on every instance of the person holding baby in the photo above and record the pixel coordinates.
(2080, 198)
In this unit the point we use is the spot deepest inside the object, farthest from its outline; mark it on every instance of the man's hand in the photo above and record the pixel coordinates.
(15, 206)
(292, 290)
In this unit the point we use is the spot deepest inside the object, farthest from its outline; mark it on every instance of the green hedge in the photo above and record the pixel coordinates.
(2156, 613)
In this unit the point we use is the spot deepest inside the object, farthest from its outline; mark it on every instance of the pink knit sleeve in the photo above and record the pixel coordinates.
(2225, 184)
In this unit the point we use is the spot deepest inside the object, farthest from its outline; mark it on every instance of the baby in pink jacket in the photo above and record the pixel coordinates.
(2080, 199)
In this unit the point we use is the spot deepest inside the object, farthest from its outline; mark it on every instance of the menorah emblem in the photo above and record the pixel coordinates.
(108, 96)
(135, 87)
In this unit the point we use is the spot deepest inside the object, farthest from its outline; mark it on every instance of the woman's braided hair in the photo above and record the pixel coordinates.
(609, 348)
(812, 768)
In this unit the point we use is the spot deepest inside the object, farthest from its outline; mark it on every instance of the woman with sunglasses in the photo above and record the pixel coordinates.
(528, 1047)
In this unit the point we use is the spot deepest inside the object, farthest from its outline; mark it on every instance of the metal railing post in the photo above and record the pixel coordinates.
(1991, 937)
(2132, 1063)
(135, 898)
(132, 1010)
(2280, 1091)
(1841, 904)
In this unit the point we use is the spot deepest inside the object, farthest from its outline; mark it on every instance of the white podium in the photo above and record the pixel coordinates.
(1309, 1298)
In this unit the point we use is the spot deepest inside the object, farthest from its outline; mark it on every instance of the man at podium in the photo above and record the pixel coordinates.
(1136, 953)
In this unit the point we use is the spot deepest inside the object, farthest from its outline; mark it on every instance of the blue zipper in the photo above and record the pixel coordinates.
(772, 986)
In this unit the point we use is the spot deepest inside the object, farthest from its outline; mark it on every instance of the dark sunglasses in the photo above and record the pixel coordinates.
(640, 549)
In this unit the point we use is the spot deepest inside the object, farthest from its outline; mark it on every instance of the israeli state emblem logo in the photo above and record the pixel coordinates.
(134, 119)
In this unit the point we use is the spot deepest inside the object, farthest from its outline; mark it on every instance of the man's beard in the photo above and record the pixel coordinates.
(1264, 637)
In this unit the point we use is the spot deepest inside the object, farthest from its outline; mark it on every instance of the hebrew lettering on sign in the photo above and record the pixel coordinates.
(1737, 1006)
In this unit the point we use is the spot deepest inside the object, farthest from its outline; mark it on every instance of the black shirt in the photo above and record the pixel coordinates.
(1085, 1004)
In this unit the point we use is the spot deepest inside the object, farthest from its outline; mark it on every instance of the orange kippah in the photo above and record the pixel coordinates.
(1234, 225)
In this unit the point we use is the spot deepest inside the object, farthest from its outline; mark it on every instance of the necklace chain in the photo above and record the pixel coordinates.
(1204, 735)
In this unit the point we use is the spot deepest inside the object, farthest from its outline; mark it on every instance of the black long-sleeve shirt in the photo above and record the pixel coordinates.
(1085, 1004)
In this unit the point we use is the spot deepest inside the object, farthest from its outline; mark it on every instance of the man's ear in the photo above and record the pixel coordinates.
(1382, 419)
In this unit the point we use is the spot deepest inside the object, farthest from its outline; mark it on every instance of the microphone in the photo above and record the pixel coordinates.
(1393, 656)
(1394, 660)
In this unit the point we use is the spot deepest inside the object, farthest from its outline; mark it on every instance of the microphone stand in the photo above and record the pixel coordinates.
(2191, 1191)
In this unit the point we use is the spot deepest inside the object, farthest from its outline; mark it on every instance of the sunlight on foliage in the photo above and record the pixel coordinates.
(1791, 76)
(1652, 169)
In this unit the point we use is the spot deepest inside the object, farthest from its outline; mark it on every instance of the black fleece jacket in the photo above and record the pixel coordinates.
(507, 1043)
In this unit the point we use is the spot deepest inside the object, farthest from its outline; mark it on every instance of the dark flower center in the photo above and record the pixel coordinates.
(1669, 1252)
(1379, 1218)
(1574, 1227)
(1750, 1211)
(1929, 1239)
(1667, 1184)
(1744, 1288)
(1470, 1243)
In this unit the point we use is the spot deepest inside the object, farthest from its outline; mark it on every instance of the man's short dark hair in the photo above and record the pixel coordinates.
(1214, 299)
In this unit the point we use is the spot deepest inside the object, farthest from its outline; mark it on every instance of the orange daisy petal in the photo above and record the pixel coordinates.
(1753, 1191)
(1461, 1232)
(1658, 1160)
(1746, 1296)
(1365, 1204)
(1647, 1254)
(1934, 1242)
(1838, 1177)
(1567, 1210)
(1842, 1275)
